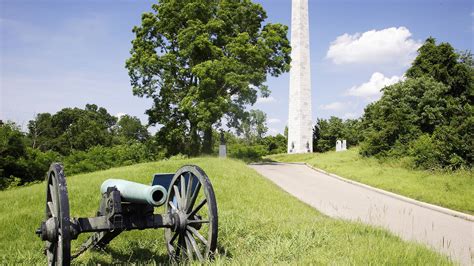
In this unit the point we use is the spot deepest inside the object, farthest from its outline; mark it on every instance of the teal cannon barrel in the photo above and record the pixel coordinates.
(136, 192)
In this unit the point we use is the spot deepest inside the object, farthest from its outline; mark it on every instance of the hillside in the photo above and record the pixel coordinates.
(258, 224)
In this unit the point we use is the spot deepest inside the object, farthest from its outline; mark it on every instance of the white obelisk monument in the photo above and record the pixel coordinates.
(300, 131)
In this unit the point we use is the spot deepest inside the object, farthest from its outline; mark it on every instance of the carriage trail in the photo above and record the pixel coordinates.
(447, 231)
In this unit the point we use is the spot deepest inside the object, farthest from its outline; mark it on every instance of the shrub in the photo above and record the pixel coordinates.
(99, 158)
(425, 153)
(247, 153)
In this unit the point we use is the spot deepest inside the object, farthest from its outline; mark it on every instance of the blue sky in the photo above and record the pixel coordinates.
(57, 54)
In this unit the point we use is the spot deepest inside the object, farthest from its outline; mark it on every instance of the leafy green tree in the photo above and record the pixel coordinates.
(275, 144)
(443, 64)
(254, 126)
(72, 129)
(130, 129)
(327, 132)
(18, 162)
(202, 60)
(405, 110)
(430, 115)
(12, 148)
(41, 131)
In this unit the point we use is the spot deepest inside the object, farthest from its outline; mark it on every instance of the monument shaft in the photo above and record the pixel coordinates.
(300, 131)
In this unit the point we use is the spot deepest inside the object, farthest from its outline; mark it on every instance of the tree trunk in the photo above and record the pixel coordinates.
(195, 141)
(207, 141)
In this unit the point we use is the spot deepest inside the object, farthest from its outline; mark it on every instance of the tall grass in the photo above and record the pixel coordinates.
(258, 224)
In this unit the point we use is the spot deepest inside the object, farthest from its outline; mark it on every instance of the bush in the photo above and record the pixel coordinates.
(248, 153)
(425, 153)
(428, 116)
(99, 158)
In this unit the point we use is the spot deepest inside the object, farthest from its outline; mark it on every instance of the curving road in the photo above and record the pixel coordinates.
(448, 232)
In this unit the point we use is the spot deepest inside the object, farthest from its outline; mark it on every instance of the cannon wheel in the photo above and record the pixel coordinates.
(57, 206)
(192, 204)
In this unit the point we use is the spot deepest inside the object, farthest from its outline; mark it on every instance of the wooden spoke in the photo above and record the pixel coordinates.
(180, 244)
(174, 237)
(177, 195)
(197, 234)
(189, 250)
(195, 246)
(183, 192)
(193, 198)
(203, 202)
(172, 206)
(52, 210)
(53, 193)
(189, 189)
(198, 221)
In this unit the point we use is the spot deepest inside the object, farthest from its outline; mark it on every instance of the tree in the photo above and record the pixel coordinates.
(275, 144)
(72, 129)
(129, 128)
(41, 131)
(327, 132)
(19, 163)
(443, 64)
(405, 110)
(429, 116)
(254, 126)
(201, 61)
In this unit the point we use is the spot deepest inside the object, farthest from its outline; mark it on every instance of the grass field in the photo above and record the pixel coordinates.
(258, 224)
(453, 190)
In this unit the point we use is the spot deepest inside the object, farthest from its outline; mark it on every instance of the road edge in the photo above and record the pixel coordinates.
(433, 207)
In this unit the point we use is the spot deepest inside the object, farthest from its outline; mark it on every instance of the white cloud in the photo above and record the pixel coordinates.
(391, 45)
(272, 132)
(370, 90)
(350, 116)
(268, 99)
(335, 106)
(273, 120)
(119, 115)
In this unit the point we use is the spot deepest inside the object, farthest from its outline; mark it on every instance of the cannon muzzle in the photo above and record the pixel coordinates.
(136, 192)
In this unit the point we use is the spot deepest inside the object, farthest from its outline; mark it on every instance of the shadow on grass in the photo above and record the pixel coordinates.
(137, 255)
(223, 252)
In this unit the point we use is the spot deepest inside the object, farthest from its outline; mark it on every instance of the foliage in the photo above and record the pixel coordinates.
(248, 153)
(72, 129)
(429, 115)
(275, 144)
(130, 129)
(327, 132)
(12, 147)
(20, 164)
(200, 61)
(99, 158)
(253, 126)
(82, 139)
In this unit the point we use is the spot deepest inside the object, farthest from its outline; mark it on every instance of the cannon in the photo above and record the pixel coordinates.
(190, 219)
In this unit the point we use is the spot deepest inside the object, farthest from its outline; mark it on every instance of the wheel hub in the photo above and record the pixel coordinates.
(180, 221)
(49, 230)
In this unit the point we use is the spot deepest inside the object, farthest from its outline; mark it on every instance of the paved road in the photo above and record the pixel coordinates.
(334, 197)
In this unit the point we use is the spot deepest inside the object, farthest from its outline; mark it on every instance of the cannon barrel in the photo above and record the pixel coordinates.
(136, 192)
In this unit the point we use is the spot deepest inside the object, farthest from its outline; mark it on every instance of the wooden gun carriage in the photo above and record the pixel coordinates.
(189, 221)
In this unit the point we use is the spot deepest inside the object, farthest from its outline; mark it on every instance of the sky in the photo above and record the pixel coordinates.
(56, 54)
